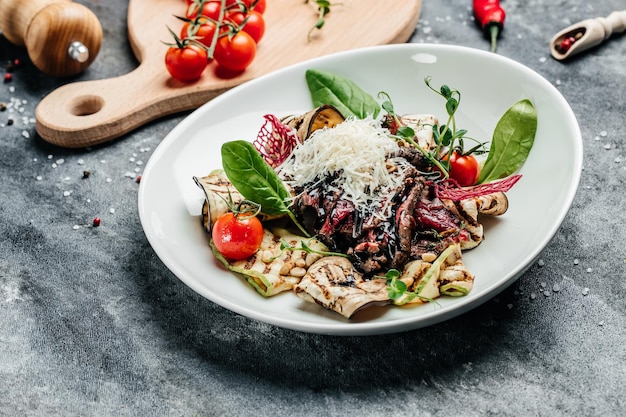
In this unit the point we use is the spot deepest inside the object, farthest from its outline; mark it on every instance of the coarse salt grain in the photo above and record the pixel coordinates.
(541, 262)
(604, 133)
(585, 291)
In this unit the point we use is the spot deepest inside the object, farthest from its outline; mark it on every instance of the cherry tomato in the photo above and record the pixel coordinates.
(255, 25)
(211, 9)
(235, 53)
(464, 169)
(204, 31)
(259, 6)
(186, 63)
(237, 237)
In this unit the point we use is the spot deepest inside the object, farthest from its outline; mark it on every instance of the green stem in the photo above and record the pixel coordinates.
(494, 31)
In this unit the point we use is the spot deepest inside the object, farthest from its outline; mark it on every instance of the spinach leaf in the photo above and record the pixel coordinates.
(342, 93)
(256, 180)
(253, 177)
(513, 138)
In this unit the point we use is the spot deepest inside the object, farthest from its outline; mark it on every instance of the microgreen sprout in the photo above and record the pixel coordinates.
(396, 288)
(406, 133)
(323, 8)
(243, 210)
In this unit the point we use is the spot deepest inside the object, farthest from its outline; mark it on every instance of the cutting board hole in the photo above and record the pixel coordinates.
(86, 105)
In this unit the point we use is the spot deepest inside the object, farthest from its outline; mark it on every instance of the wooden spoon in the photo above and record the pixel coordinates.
(587, 34)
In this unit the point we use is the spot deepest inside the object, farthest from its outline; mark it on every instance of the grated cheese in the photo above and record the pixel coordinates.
(354, 153)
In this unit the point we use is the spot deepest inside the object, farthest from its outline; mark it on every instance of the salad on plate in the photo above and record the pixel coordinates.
(351, 205)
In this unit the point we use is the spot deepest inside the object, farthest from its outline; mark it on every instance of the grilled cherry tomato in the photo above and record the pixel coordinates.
(255, 24)
(464, 169)
(235, 52)
(186, 62)
(237, 237)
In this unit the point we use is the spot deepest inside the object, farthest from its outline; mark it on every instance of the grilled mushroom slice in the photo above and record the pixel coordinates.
(323, 116)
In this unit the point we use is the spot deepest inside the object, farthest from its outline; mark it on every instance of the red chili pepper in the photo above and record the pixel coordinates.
(490, 17)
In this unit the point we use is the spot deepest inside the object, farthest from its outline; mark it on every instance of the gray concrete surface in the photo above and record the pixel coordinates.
(93, 324)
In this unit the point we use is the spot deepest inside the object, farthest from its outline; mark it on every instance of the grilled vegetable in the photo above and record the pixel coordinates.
(304, 125)
(272, 269)
(218, 191)
(335, 284)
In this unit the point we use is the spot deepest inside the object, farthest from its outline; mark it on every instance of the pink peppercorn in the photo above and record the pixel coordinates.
(96, 222)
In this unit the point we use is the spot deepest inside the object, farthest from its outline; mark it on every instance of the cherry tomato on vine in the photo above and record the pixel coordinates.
(186, 62)
(211, 9)
(254, 26)
(464, 169)
(235, 52)
(237, 237)
(259, 6)
(204, 31)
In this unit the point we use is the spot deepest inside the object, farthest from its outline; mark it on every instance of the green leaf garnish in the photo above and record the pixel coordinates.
(342, 93)
(255, 179)
(512, 141)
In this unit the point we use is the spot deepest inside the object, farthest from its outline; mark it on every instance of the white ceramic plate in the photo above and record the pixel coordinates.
(170, 203)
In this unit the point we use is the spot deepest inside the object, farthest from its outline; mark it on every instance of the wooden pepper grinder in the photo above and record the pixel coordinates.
(62, 38)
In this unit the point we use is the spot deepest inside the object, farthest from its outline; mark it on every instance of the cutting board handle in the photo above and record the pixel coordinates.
(89, 113)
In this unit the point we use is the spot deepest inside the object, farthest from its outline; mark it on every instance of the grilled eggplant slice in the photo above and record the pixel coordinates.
(273, 269)
(335, 284)
(218, 191)
(304, 125)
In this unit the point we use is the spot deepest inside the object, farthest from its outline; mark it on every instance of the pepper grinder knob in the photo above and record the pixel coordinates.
(62, 38)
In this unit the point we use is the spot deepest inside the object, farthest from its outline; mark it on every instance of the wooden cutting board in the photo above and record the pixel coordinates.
(88, 113)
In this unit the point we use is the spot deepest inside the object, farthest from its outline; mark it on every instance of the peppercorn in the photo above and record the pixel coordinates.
(8, 77)
(96, 222)
(86, 174)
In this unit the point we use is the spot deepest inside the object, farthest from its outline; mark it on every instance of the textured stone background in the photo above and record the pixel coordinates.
(92, 323)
